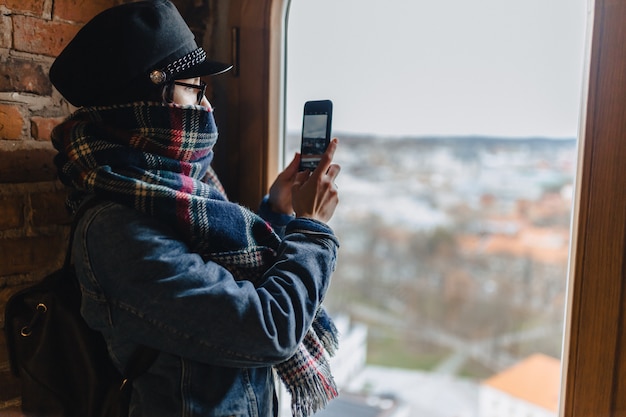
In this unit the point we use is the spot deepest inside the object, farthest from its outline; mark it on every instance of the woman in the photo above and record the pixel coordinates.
(228, 298)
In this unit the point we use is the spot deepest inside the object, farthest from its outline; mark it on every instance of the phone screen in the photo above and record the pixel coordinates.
(315, 133)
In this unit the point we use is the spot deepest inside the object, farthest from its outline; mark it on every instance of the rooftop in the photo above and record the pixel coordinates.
(537, 380)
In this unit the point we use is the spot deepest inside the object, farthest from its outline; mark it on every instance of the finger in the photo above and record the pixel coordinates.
(327, 158)
(301, 178)
(332, 147)
(333, 171)
(292, 168)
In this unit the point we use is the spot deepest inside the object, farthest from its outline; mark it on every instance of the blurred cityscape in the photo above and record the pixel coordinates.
(451, 278)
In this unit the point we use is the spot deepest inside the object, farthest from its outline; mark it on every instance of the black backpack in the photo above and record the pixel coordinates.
(62, 364)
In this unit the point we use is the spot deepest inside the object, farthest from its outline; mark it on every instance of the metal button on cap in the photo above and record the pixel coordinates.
(158, 77)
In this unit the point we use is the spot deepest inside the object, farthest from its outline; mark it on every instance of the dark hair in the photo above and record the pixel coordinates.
(167, 92)
(138, 90)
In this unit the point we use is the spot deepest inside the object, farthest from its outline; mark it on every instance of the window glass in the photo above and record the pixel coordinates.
(458, 126)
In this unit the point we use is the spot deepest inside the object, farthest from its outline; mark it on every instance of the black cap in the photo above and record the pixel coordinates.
(128, 49)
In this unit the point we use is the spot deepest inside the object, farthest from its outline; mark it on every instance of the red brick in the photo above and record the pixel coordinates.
(80, 10)
(31, 254)
(9, 386)
(9, 392)
(24, 75)
(11, 212)
(49, 208)
(6, 31)
(5, 294)
(12, 410)
(26, 161)
(30, 6)
(40, 36)
(11, 122)
(41, 127)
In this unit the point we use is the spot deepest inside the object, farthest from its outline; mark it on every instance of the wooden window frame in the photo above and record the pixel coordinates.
(594, 354)
(594, 357)
(250, 112)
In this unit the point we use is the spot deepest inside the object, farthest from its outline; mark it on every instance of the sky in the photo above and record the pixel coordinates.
(507, 68)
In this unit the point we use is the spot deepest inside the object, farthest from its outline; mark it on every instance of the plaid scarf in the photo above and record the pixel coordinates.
(156, 158)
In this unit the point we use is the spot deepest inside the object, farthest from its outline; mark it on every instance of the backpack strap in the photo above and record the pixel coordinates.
(82, 209)
(143, 357)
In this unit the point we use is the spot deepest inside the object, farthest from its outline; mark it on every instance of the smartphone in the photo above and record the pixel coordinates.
(316, 127)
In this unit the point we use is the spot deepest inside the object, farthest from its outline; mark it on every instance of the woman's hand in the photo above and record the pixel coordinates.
(314, 195)
(280, 191)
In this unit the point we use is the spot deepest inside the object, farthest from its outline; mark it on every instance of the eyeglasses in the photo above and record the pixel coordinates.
(200, 87)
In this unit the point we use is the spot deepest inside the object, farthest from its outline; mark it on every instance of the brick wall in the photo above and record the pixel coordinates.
(33, 222)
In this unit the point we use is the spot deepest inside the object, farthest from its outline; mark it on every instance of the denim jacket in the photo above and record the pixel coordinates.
(218, 337)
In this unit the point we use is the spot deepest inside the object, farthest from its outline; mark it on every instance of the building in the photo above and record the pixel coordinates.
(528, 389)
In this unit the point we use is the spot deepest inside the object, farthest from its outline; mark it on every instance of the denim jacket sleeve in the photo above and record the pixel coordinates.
(278, 221)
(142, 284)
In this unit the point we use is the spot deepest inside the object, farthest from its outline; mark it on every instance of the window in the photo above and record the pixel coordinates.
(594, 362)
(454, 222)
